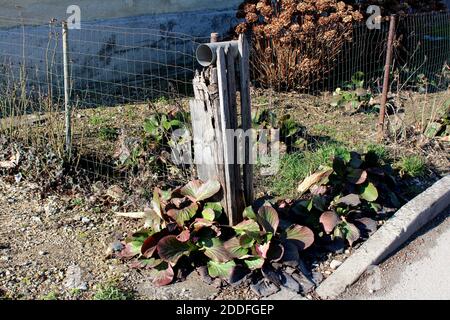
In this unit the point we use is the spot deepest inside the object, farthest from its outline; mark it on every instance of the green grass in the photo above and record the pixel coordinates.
(413, 166)
(107, 134)
(111, 291)
(379, 149)
(50, 296)
(297, 166)
(97, 120)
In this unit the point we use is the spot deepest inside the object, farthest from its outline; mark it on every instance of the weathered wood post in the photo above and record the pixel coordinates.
(215, 123)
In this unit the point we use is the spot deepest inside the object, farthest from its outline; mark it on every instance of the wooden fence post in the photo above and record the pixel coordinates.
(215, 126)
(68, 109)
(387, 73)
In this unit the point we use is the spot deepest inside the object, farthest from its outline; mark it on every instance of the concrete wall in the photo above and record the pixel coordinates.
(152, 41)
(44, 10)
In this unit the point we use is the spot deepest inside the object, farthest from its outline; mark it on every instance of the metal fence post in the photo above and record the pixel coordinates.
(68, 108)
(387, 72)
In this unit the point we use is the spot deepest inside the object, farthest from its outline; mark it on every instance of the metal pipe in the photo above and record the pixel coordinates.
(207, 53)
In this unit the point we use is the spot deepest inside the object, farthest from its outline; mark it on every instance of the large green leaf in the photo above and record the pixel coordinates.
(215, 250)
(351, 233)
(216, 207)
(303, 237)
(208, 214)
(170, 249)
(254, 263)
(369, 192)
(162, 274)
(246, 226)
(233, 246)
(183, 215)
(268, 218)
(222, 270)
(198, 190)
(249, 213)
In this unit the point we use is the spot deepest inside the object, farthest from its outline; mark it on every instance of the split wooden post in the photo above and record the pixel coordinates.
(215, 126)
(68, 108)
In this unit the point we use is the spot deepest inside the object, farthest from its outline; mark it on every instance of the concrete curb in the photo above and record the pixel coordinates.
(395, 232)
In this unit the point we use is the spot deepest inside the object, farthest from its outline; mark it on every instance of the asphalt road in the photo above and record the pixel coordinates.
(420, 270)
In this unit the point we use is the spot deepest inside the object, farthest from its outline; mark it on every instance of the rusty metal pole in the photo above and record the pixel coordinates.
(387, 72)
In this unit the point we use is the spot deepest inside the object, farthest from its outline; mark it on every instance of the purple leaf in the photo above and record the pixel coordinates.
(329, 220)
(170, 249)
(302, 236)
(268, 218)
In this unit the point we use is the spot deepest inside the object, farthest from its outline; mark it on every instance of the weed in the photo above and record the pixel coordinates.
(378, 149)
(97, 120)
(77, 202)
(50, 296)
(111, 291)
(413, 166)
(297, 166)
(108, 134)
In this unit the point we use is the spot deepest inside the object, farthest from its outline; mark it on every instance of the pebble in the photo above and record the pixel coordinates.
(85, 220)
(42, 253)
(335, 264)
(4, 258)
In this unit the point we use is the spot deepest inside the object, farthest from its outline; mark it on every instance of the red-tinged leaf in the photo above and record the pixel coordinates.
(183, 215)
(262, 249)
(215, 250)
(301, 236)
(200, 190)
(203, 223)
(357, 176)
(184, 236)
(351, 200)
(246, 226)
(145, 263)
(129, 251)
(268, 218)
(150, 244)
(162, 275)
(235, 249)
(170, 249)
(329, 220)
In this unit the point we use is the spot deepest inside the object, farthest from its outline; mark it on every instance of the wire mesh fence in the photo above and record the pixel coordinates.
(129, 87)
(128, 93)
(355, 57)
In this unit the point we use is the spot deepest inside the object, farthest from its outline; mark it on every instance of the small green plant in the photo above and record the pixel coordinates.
(108, 134)
(379, 150)
(413, 166)
(78, 202)
(297, 166)
(353, 96)
(111, 291)
(50, 296)
(97, 120)
(339, 194)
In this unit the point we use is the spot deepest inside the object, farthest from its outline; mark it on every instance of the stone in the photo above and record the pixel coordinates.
(85, 220)
(335, 264)
(264, 288)
(73, 279)
(289, 282)
(306, 284)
